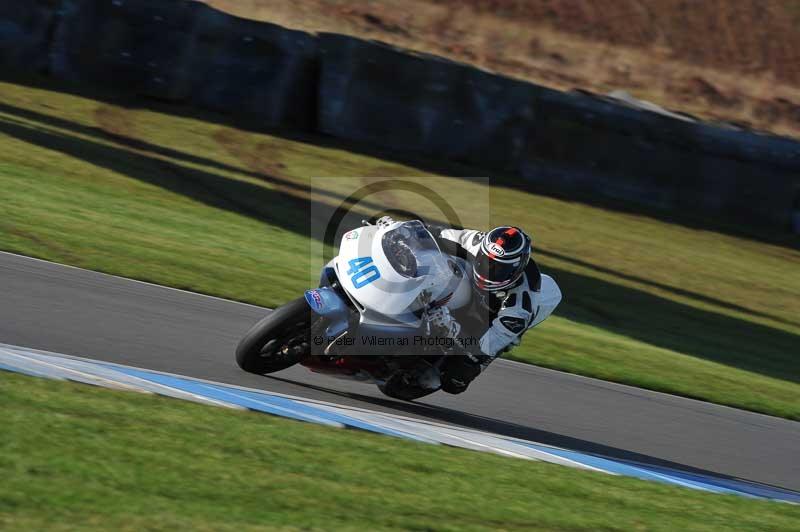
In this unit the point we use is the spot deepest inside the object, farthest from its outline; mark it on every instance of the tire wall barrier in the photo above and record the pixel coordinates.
(184, 51)
(136, 45)
(592, 146)
(371, 93)
(25, 33)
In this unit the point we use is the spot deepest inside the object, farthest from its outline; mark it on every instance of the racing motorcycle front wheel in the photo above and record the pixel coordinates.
(278, 341)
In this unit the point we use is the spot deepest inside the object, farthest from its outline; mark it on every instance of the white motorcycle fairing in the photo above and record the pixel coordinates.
(391, 272)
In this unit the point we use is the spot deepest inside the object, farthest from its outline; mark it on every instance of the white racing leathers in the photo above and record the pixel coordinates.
(499, 318)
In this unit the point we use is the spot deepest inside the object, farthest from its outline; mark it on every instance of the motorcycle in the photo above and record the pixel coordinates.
(372, 317)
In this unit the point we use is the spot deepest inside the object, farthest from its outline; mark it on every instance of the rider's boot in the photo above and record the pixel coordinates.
(409, 385)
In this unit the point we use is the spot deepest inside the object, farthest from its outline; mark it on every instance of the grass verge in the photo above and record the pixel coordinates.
(77, 457)
(185, 201)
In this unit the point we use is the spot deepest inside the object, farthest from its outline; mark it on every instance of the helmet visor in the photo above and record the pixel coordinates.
(492, 274)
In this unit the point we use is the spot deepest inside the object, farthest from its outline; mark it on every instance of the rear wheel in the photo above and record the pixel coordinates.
(278, 341)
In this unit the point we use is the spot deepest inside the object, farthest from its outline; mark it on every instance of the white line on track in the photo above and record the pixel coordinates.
(109, 382)
(288, 411)
(85, 376)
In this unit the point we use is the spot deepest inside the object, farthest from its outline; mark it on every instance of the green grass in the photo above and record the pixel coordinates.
(78, 457)
(188, 202)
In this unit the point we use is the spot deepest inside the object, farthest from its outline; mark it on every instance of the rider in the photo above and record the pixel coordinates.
(505, 294)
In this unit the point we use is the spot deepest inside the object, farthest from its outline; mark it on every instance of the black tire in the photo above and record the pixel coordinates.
(278, 341)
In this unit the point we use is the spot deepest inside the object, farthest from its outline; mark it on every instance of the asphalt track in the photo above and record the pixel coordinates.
(83, 313)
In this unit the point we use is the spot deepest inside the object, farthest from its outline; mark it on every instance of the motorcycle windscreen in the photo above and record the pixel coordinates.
(411, 250)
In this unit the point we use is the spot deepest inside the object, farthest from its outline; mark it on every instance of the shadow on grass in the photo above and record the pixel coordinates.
(454, 169)
(274, 207)
(661, 286)
(627, 311)
(671, 325)
(287, 185)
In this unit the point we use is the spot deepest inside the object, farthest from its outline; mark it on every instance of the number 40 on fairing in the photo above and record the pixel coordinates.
(362, 271)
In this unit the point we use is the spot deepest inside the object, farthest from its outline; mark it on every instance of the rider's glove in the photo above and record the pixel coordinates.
(384, 221)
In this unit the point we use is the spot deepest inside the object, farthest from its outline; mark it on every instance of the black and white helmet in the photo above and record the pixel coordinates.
(501, 259)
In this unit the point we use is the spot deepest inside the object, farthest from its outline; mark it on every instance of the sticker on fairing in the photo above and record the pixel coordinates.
(362, 271)
(316, 297)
